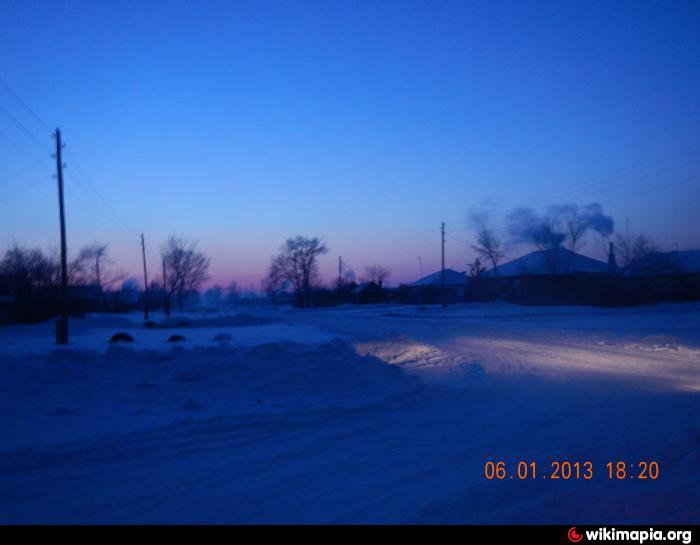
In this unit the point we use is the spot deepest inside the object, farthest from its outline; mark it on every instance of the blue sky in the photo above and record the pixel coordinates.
(365, 123)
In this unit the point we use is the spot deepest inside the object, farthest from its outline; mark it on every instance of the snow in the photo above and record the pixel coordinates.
(94, 332)
(367, 414)
(452, 278)
(543, 262)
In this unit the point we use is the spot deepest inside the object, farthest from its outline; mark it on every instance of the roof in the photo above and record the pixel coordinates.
(687, 261)
(560, 261)
(360, 288)
(452, 278)
(676, 262)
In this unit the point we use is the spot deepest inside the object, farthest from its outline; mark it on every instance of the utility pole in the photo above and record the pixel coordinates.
(340, 272)
(62, 322)
(145, 279)
(166, 301)
(442, 275)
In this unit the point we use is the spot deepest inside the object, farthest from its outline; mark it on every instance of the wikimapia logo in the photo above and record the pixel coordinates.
(636, 536)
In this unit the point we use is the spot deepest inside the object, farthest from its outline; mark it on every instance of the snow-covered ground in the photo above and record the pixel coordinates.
(355, 414)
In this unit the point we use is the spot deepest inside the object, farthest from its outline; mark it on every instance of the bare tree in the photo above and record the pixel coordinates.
(275, 280)
(640, 254)
(377, 274)
(489, 246)
(576, 227)
(88, 266)
(29, 268)
(33, 277)
(96, 254)
(77, 267)
(476, 269)
(296, 263)
(559, 225)
(526, 226)
(549, 235)
(186, 267)
(577, 221)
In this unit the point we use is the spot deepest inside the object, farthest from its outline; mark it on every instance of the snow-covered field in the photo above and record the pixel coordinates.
(353, 415)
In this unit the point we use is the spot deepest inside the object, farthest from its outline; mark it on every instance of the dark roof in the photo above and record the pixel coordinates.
(686, 261)
(560, 261)
(677, 262)
(452, 278)
(365, 286)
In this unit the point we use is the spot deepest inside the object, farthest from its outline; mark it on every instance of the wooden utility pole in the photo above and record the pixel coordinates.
(166, 299)
(62, 322)
(442, 275)
(340, 272)
(145, 279)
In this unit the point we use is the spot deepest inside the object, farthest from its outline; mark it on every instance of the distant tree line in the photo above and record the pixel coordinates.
(30, 277)
(30, 280)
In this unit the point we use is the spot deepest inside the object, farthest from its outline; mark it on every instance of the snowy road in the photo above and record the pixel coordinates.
(313, 432)
(658, 346)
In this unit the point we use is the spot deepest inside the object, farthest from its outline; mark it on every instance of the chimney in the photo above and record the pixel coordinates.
(612, 262)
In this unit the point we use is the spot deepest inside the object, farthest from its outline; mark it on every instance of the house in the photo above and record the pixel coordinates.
(679, 262)
(552, 277)
(428, 290)
(368, 293)
(666, 276)
(687, 261)
(562, 277)
(559, 261)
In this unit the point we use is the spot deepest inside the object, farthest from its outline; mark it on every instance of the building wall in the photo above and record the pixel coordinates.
(586, 289)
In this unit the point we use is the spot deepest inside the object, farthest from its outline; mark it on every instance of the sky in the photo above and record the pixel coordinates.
(240, 124)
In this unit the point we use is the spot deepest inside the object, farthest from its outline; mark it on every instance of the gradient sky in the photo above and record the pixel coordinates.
(366, 123)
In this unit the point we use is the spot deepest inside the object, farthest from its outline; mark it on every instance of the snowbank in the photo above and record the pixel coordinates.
(94, 332)
(74, 394)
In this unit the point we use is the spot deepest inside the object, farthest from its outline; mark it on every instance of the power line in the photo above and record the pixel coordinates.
(82, 190)
(22, 127)
(90, 208)
(23, 170)
(97, 196)
(458, 240)
(656, 187)
(23, 147)
(25, 189)
(91, 191)
(29, 110)
(607, 181)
